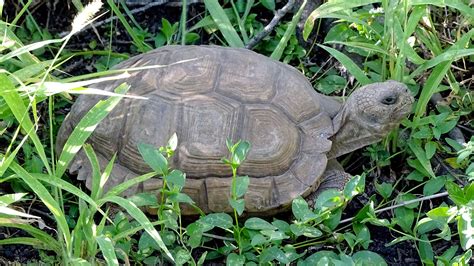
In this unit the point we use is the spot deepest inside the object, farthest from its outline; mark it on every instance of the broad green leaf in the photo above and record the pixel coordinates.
(182, 197)
(355, 186)
(182, 256)
(274, 235)
(448, 255)
(194, 231)
(272, 253)
(426, 225)
(258, 240)
(305, 230)
(434, 185)
(177, 178)
(329, 199)
(234, 259)
(466, 226)
(334, 219)
(363, 234)
(330, 84)
(469, 191)
(153, 158)
(240, 152)
(173, 142)
(425, 250)
(368, 258)
(223, 22)
(241, 185)
(256, 223)
(421, 156)
(301, 210)
(221, 220)
(238, 205)
(405, 218)
(144, 199)
(269, 4)
(402, 198)
(400, 239)
(319, 256)
(384, 189)
(456, 193)
(463, 259)
(430, 149)
(282, 226)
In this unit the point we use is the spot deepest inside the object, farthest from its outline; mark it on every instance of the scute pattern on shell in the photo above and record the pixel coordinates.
(222, 93)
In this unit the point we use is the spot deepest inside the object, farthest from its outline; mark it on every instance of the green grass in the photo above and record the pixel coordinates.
(405, 42)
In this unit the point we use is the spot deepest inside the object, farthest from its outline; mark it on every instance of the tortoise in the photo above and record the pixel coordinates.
(295, 133)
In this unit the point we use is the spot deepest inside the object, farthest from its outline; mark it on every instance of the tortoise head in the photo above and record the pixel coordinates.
(369, 114)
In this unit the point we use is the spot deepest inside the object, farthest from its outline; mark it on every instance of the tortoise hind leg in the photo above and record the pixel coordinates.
(334, 177)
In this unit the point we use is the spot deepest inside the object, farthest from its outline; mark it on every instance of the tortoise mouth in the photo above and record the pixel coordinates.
(404, 109)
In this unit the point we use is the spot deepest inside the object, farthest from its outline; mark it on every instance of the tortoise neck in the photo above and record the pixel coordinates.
(349, 135)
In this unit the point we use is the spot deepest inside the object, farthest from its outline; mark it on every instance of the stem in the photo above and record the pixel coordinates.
(184, 14)
(236, 217)
(408, 202)
(163, 189)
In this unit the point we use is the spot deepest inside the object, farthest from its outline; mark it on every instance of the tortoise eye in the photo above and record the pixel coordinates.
(389, 100)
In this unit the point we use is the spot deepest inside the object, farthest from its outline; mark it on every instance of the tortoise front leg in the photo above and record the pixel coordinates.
(334, 177)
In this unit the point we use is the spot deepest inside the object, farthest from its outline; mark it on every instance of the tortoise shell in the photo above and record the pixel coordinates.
(221, 93)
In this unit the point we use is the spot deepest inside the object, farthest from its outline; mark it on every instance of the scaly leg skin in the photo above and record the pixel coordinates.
(334, 177)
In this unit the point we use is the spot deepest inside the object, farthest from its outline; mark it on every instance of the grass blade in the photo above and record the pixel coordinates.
(446, 56)
(37, 234)
(349, 64)
(223, 22)
(140, 217)
(118, 189)
(95, 169)
(438, 73)
(64, 185)
(362, 45)
(27, 48)
(107, 249)
(12, 212)
(47, 200)
(142, 46)
(278, 52)
(29, 241)
(85, 128)
(331, 7)
(19, 110)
